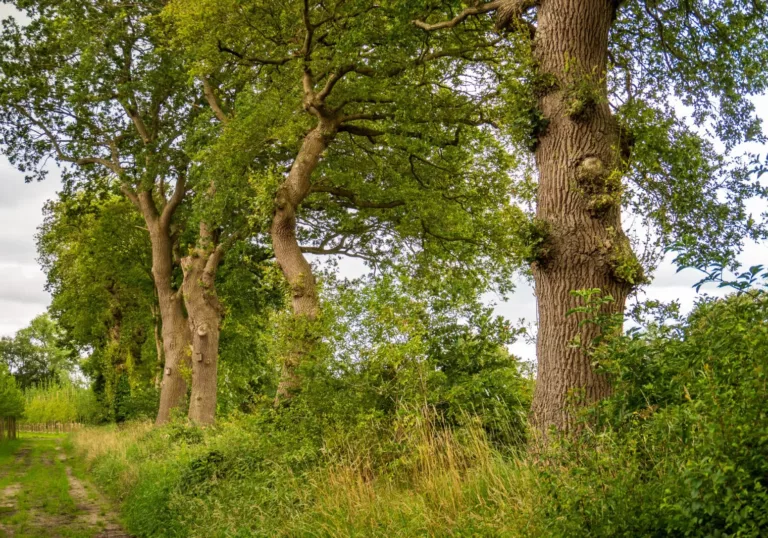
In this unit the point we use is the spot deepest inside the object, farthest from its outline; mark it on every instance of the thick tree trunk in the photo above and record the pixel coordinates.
(204, 313)
(158, 346)
(176, 339)
(578, 204)
(295, 267)
(175, 331)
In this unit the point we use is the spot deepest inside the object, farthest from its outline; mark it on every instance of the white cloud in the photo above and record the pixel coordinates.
(10, 11)
(22, 294)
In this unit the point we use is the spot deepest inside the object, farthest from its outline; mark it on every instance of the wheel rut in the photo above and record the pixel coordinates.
(41, 496)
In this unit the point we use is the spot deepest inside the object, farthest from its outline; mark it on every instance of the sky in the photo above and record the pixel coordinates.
(22, 282)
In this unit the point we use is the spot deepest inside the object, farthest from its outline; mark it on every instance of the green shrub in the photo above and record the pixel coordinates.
(11, 398)
(393, 347)
(681, 449)
(392, 437)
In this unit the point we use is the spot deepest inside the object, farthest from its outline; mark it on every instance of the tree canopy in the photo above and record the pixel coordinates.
(38, 353)
(11, 398)
(215, 153)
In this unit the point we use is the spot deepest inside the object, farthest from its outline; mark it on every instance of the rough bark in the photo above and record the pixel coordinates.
(578, 203)
(295, 267)
(175, 331)
(204, 311)
(158, 345)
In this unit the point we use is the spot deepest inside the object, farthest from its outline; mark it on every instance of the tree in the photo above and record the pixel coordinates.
(37, 354)
(11, 403)
(60, 403)
(95, 251)
(595, 90)
(360, 140)
(97, 257)
(95, 87)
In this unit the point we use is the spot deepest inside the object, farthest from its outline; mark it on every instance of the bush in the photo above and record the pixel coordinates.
(391, 347)
(682, 447)
(11, 398)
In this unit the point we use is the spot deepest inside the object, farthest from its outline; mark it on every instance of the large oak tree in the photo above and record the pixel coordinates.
(94, 86)
(601, 83)
(365, 136)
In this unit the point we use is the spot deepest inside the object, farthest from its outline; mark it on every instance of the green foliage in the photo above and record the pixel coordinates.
(11, 398)
(419, 180)
(536, 236)
(672, 179)
(601, 188)
(250, 290)
(583, 92)
(38, 353)
(393, 345)
(712, 57)
(96, 253)
(276, 472)
(690, 194)
(415, 172)
(680, 449)
(623, 262)
(91, 85)
(394, 362)
(51, 403)
(97, 258)
(122, 397)
(521, 89)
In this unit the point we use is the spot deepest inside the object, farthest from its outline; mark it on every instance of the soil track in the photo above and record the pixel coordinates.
(41, 495)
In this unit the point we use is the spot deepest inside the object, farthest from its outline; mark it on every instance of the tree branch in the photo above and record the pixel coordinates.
(213, 261)
(131, 195)
(447, 239)
(306, 50)
(461, 17)
(355, 199)
(360, 131)
(178, 195)
(364, 116)
(84, 161)
(141, 127)
(131, 107)
(213, 101)
(332, 80)
(253, 60)
(336, 250)
(506, 11)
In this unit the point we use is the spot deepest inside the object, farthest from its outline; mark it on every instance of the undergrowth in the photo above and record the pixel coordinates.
(245, 478)
(681, 449)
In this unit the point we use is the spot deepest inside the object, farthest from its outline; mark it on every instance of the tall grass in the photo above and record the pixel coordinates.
(442, 483)
(112, 441)
(680, 449)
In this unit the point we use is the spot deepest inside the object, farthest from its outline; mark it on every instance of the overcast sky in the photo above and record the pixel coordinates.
(22, 294)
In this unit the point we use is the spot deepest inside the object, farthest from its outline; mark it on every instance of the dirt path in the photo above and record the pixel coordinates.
(42, 494)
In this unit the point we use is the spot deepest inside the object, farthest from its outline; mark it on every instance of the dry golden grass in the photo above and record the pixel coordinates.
(93, 442)
(437, 482)
(451, 482)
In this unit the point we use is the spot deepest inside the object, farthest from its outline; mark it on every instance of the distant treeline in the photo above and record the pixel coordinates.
(51, 404)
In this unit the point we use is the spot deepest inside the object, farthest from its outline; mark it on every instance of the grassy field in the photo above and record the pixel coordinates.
(43, 493)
